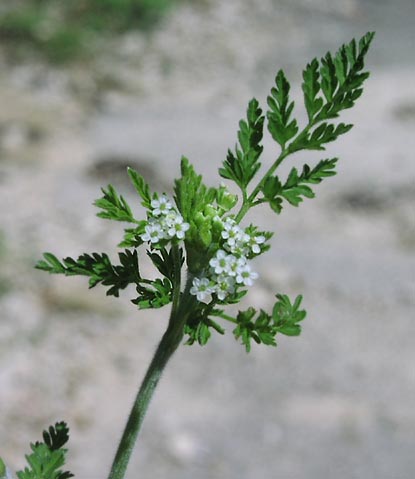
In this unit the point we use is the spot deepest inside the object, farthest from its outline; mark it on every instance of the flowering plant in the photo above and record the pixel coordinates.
(202, 228)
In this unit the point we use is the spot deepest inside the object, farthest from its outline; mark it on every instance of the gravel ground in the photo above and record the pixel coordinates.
(336, 402)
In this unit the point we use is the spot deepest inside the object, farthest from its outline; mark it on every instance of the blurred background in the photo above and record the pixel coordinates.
(88, 87)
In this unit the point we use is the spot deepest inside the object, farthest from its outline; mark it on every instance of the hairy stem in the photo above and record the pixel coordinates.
(170, 341)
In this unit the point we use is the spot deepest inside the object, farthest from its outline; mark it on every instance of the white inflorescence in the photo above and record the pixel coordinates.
(165, 223)
(229, 268)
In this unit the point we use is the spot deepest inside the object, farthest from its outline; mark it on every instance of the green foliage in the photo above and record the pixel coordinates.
(242, 165)
(132, 237)
(114, 207)
(56, 437)
(217, 250)
(311, 89)
(64, 31)
(164, 260)
(154, 294)
(3, 470)
(191, 195)
(195, 202)
(280, 124)
(98, 268)
(198, 327)
(47, 458)
(140, 186)
(295, 188)
(158, 293)
(263, 327)
(331, 86)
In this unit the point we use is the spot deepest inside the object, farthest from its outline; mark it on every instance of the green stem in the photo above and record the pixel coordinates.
(169, 343)
(248, 203)
(226, 316)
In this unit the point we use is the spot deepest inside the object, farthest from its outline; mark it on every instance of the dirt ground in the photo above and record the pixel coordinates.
(337, 402)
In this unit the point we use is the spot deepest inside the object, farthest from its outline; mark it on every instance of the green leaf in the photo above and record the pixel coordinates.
(164, 261)
(311, 88)
(294, 194)
(191, 195)
(98, 268)
(323, 169)
(154, 294)
(114, 207)
(272, 187)
(286, 316)
(199, 326)
(56, 436)
(51, 265)
(319, 136)
(141, 187)
(3, 470)
(329, 80)
(46, 459)
(262, 327)
(342, 77)
(280, 125)
(242, 165)
(132, 236)
(295, 189)
(259, 330)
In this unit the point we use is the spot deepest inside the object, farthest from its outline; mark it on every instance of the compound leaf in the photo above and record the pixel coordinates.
(141, 187)
(114, 206)
(242, 165)
(280, 125)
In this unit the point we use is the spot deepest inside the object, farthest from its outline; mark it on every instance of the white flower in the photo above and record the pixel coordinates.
(220, 263)
(161, 206)
(245, 276)
(254, 243)
(236, 240)
(177, 227)
(232, 234)
(224, 285)
(235, 265)
(202, 289)
(153, 233)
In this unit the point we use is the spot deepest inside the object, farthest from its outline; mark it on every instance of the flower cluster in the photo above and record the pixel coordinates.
(164, 223)
(229, 268)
